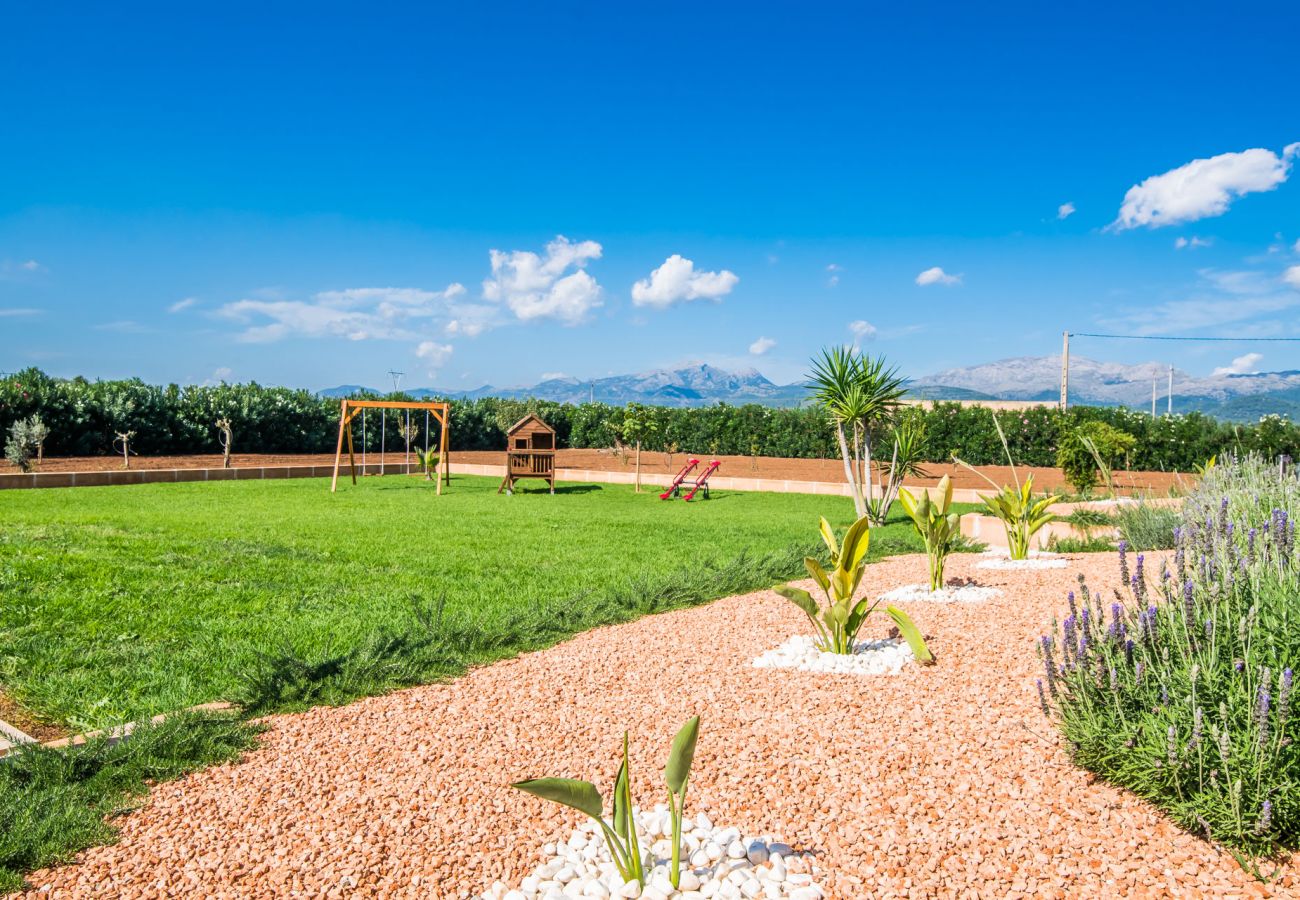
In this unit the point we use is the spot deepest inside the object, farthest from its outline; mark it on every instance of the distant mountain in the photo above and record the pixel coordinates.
(345, 390)
(1034, 378)
(1116, 384)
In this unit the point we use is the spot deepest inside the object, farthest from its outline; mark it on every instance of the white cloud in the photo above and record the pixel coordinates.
(936, 275)
(761, 346)
(834, 278)
(535, 287)
(1295, 248)
(124, 326)
(15, 312)
(356, 314)
(1247, 364)
(552, 376)
(676, 280)
(862, 330)
(1192, 242)
(182, 305)
(1292, 277)
(222, 373)
(31, 266)
(435, 354)
(1065, 210)
(1202, 188)
(26, 267)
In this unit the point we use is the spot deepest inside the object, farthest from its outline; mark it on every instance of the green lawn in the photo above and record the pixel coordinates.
(116, 603)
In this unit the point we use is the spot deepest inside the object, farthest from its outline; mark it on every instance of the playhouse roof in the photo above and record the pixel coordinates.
(524, 421)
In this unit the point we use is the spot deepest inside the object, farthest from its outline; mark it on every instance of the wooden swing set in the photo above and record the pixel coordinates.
(439, 412)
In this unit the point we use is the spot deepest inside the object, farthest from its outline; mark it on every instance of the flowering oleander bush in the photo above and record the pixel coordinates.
(1179, 685)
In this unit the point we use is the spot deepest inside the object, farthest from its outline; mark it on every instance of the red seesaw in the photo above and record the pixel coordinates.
(701, 482)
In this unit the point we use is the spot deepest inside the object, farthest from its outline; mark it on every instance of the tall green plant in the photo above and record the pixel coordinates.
(1015, 508)
(938, 527)
(860, 393)
(620, 831)
(837, 624)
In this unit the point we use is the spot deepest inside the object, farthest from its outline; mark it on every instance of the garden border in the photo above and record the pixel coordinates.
(255, 473)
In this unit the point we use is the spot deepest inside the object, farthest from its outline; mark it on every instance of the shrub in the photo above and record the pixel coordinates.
(1182, 690)
(24, 442)
(1147, 527)
(1091, 448)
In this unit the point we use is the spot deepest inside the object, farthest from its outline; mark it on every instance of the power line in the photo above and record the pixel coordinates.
(1163, 337)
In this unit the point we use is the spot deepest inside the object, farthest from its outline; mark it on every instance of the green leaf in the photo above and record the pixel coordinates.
(817, 572)
(799, 597)
(856, 542)
(912, 635)
(621, 811)
(570, 792)
(828, 535)
(682, 755)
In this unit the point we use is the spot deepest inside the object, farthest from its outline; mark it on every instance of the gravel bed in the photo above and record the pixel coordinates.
(998, 560)
(943, 781)
(877, 657)
(715, 862)
(921, 593)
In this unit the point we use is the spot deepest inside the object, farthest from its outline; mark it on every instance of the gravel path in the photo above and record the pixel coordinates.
(937, 782)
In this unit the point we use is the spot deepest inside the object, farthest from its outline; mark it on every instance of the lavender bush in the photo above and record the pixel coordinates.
(1179, 684)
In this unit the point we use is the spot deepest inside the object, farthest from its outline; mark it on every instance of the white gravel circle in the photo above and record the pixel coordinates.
(998, 559)
(717, 862)
(920, 593)
(882, 657)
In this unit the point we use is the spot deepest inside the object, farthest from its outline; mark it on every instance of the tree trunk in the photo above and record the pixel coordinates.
(858, 506)
(638, 467)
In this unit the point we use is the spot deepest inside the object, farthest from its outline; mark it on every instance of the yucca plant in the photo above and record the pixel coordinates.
(837, 624)
(427, 461)
(620, 831)
(938, 527)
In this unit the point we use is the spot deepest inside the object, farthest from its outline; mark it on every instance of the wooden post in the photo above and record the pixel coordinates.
(352, 457)
(442, 455)
(1065, 372)
(338, 451)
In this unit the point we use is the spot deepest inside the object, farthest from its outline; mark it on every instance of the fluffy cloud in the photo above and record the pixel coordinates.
(435, 354)
(1242, 365)
(862, 330)
(14, 312)
(761, 346)
(1065, 210)
(1292, 276)
(1191, 243)
(28, 267)
(1249, 300)
(1203, 187)
(182, 305)
(676, 280)
(936, 275)
(357, 314)
(536, 287)
(834, 278)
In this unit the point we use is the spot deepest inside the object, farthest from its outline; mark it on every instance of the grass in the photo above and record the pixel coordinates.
(1147, 527)
(120, 603)
(56, 802)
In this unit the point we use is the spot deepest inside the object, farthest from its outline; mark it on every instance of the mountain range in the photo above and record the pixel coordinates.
(1092, 382)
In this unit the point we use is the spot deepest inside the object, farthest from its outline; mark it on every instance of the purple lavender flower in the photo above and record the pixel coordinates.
(1164, 695)
(1239, 666)
(1198, 722)
(1250, 545)
(1209, 629)
(1128, 652)
(1171, 744)
(1123, 563)
(1074, 609)
(1137, 673)
(1283, 698)
(1042, 700)
(1265, 818)
(1262, 700)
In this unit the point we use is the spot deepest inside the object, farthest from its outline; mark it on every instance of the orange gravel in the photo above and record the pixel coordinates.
(939, 782)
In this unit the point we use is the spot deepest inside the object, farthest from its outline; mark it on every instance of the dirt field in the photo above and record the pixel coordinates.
(653, 464)
(943, 782)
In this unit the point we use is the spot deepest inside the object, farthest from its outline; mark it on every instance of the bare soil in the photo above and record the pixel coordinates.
(19, 718)
(938, 782)
(654, 465)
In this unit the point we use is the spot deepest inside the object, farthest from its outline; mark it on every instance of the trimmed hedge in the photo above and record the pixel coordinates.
(83, 416)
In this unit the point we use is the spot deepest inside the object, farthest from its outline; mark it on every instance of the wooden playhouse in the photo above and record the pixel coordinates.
(530, 453)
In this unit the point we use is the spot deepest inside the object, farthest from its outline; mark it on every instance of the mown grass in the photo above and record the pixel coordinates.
(120, 603)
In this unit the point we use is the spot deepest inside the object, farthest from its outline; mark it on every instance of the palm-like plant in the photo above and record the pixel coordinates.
(860, 393)
(1020, 514)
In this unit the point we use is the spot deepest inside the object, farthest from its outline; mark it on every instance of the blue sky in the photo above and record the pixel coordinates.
(313, 195)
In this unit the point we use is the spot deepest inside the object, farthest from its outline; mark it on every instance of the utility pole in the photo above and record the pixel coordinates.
(1153, 396)
(1171, 389)
(397, 379)
(1065, 372)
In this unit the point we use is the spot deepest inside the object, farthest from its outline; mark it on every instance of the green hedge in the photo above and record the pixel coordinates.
(84, 415)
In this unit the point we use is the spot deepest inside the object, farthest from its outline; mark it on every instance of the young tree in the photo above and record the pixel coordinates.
(26, 437)
(861, 394)
(639, 422)
(227, 437)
